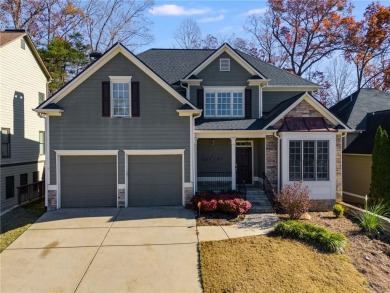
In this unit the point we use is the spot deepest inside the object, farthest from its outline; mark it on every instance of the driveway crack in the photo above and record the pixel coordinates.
(90, 263)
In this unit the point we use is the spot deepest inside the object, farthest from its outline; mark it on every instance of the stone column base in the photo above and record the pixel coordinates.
(188, 193)
(52, 200)
(121, 198)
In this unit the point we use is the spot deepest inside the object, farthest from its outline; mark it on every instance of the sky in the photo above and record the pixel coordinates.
(218, 17)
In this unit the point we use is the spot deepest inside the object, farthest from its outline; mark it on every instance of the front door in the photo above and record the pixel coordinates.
(244, 165)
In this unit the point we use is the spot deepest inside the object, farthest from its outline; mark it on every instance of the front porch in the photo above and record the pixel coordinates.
(229, 163)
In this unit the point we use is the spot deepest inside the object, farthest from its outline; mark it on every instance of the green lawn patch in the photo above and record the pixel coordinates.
(320, 237)
(15, 222)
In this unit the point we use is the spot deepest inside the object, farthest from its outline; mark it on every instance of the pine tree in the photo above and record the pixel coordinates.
(380, 175)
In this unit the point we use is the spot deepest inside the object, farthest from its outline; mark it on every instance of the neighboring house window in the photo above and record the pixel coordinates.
(9, 187)
(224, 64)
(41, 142)
(23, 44)
(120, 96)
(308, 160)
(5, 143)
(41, 97)
(23, 181)
(224, 103)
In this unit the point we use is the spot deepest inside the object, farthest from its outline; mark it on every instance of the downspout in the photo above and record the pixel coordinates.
(195, 154)
(278, 137)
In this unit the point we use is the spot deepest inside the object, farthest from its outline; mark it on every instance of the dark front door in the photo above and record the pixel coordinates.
(244, 165)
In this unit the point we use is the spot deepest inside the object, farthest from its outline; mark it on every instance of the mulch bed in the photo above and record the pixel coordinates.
(218, 219)
(371, 257)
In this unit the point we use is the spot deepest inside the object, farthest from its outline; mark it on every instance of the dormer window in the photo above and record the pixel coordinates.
(224, 64)
(120, 95)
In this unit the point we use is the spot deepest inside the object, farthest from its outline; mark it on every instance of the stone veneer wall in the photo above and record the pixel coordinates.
(52, 200)
(271, 160)
(188, 193)
(121, 198)
(321, 205)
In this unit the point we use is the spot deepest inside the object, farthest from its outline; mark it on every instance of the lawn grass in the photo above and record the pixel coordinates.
(273, 264)
(15, 222)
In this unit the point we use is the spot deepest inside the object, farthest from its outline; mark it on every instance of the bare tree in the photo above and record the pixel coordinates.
(188, 35)
(341, 79)
(125, 21)
(267, 47)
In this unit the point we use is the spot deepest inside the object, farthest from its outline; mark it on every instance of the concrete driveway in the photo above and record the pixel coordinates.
(105, 250)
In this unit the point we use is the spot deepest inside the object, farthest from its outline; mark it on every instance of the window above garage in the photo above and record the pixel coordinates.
(120, 96)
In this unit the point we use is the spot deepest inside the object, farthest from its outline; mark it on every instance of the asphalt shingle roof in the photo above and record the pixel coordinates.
(364, 143)
(353, 109)
(174, 64)
(8, 36)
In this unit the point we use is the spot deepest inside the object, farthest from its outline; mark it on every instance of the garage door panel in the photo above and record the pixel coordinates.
(88, 181)
(155, 180)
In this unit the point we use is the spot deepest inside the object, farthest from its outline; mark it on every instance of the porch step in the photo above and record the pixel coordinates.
(259, 201)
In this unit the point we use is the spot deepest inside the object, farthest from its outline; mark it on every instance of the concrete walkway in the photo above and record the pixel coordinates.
(252, 225)
(105, 250)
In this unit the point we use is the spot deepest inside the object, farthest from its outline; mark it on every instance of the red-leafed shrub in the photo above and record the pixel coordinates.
(209, 205)
(294, 199)
(230, 203)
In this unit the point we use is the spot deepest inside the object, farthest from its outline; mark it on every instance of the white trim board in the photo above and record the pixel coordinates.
(315, 104)
(225, 48)
(111, 53)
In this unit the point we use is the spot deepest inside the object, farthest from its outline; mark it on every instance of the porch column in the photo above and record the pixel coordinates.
(233, 141)
(196, 164)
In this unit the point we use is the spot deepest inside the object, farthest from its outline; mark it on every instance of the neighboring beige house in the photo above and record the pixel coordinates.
(357, 158)
(23, 86)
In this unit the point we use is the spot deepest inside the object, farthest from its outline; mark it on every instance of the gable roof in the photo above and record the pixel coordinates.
(107, 56)
(286, 106)
(353, 109)
(175, 64)
(8, 36)
(364, 143)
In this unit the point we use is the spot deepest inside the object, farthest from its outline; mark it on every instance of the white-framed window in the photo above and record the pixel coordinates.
(224, 64)
(224, 102)
(309, 160)
(120, 87)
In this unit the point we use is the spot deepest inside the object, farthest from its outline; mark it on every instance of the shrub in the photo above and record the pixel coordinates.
(294, 199)
(230, 203)
(323, 238)
(338, 210)
(370, 220)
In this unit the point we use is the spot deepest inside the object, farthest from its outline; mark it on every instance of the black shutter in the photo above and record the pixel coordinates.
(106, 99)
(248, 103)
(200, 98)
(135, 104)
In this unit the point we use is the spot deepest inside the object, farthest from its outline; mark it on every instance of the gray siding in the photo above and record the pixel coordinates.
(88, 181)
(155, 180)
(81, 127)
(214, 157)
(271, 99)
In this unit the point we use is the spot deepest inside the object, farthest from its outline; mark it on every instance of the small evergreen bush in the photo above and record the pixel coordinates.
(294, 199)
(338, 210)
(326, 240)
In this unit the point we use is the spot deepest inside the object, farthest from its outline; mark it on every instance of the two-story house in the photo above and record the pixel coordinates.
(152, 129)
(23, 86)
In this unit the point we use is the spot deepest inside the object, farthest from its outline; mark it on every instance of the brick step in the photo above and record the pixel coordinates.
(264, 198)
(261, 203)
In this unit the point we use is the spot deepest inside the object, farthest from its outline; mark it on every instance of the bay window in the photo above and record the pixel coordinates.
(224, 102)
(308, 160)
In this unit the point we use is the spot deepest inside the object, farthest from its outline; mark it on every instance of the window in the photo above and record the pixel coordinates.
(41, 97)
(9, 187)
(224, 103)
(120, 95)
(5, 143)
(308, 160)
(23, 44)
(41, 142)
(35, 178)
(23, 179)
(224, 64)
